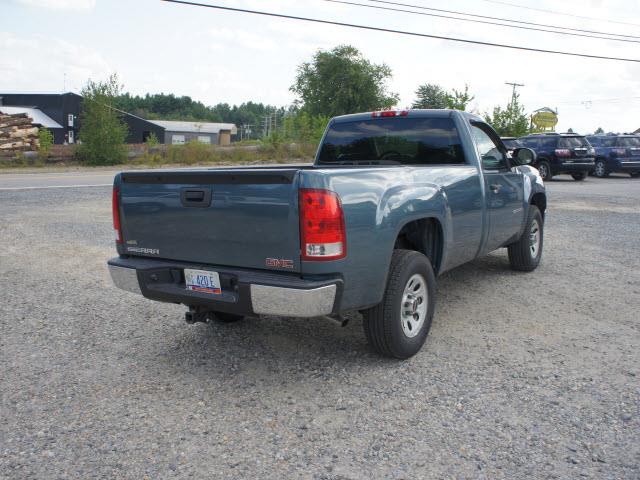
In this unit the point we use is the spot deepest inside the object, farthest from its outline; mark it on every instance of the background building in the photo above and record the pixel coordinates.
(177, 133)
(57, 111)
(60, 113)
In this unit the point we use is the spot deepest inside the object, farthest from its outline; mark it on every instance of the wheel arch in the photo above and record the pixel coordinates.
(424, 235)
(539, 199)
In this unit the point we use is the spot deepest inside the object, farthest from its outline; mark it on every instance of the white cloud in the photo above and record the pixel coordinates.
(35, 62)
(59, 4)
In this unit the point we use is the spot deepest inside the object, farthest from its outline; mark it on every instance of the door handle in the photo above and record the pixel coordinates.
(495, 187)
(195, 197)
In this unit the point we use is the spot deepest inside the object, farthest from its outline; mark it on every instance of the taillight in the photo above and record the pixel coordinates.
(390, 113)
(563, 152)
(620, 152)
(116, 214)
(322, 232)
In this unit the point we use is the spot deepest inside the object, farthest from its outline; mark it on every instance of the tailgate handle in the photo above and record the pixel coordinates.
(195, 197)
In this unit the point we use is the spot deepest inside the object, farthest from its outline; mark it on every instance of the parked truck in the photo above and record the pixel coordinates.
(394, 199)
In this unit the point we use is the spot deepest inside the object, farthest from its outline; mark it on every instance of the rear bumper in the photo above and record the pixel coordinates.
(244, 292)
(573, 167)
(624, 165)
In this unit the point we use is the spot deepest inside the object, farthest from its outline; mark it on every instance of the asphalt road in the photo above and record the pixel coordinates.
(523, 375)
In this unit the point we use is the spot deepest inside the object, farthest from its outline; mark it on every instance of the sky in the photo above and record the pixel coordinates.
(215, 56)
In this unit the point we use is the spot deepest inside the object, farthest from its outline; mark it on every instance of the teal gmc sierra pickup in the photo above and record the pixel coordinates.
(393, 199)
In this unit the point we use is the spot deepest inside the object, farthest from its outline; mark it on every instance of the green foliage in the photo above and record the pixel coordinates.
(599, 130)
(510, 121)
(458, 100)
(342, 81)
(299, 126)
(431, 95)
(45, 140)
(152, 140)
(102, 132)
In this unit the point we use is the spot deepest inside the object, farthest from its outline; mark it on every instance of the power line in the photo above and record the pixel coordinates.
(422, 7)
(400, 32)
(520, 27)
(560, 13)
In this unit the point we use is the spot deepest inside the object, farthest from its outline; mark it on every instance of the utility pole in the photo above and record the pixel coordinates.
(514, 85)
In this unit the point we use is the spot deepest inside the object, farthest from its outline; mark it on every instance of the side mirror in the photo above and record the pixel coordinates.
(523, 156)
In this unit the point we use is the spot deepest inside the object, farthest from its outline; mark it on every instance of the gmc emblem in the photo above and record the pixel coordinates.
(279, 263)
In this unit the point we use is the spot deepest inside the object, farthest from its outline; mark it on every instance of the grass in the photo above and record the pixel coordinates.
(190, 154)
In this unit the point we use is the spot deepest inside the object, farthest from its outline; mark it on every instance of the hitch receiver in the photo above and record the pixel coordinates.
(195, 315)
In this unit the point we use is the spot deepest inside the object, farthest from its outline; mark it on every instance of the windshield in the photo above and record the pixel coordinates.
(572, 142)
(629, 141)
(395, 140)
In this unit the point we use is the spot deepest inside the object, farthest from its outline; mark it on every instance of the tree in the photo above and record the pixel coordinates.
(599, 130)
(570, 130)
(458, 100)
(45, 141)
(510, 121)
(101, 130)
(431, 95)
(342, 81)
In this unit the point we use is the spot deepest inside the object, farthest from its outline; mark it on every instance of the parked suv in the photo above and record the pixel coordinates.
(558, 153)
(616, 153)
(511, 143)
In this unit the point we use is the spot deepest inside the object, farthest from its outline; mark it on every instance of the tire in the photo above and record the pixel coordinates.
(578, 177)
(545, 170)
(635, 174)
(600, 169)
(522, 255)
(389, 327)
(222, 317)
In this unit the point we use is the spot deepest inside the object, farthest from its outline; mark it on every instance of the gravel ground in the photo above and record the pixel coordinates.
(523, 375)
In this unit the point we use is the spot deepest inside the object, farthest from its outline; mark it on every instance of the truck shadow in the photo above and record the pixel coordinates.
(304, 348)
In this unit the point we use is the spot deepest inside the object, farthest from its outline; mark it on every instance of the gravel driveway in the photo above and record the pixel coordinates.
(523, 375)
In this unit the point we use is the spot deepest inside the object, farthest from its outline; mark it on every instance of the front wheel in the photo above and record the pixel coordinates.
(545, 170)
(398, 326)
(600, 169)
(578, 177)
(525, 254)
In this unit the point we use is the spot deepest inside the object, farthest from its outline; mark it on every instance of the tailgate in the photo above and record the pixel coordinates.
(235, 217)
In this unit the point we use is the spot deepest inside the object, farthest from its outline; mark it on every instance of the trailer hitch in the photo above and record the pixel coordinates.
(196, 314)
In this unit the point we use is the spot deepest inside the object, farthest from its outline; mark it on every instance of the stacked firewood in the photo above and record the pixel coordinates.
(17, 132)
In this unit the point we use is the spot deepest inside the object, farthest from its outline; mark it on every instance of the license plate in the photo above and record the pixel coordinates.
(202, 281)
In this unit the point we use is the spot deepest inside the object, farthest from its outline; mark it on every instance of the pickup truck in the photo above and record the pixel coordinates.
(393, 199)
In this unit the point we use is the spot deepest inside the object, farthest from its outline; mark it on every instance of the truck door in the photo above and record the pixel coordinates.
(503, 188)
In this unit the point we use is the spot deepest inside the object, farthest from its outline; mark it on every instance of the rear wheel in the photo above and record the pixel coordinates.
(223, 317)
(545, 170)
(398, 326)
(600, 169)
(578, 177)
(525, 254)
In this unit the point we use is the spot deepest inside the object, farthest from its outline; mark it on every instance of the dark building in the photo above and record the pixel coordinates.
(64, 111)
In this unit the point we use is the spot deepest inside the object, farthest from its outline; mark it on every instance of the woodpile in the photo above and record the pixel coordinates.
(17, 132)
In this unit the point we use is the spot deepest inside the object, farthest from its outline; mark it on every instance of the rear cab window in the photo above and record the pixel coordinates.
(392, 141)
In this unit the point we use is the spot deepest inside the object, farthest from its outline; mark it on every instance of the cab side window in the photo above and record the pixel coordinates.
(492, 157)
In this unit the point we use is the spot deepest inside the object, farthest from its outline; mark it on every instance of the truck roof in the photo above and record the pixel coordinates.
(415, 112)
